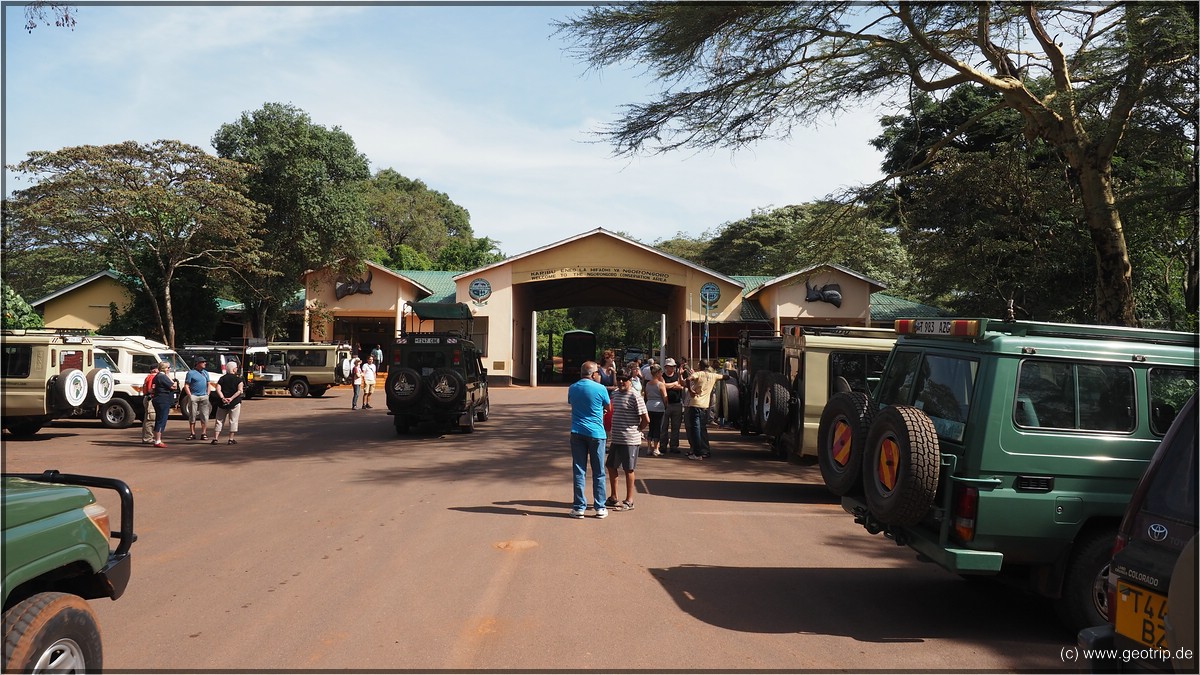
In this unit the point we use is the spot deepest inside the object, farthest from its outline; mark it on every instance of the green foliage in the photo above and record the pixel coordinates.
(16, 312)
(405, 212)
(197, 314)
(552, 322)
(312, 182)
(1075, 73)
(468, 254)
(173, 200)
(684, 246)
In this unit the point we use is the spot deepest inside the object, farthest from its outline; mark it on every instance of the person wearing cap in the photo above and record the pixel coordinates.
(589, 401)
(629, 419)
(668, 436)
(196, 402)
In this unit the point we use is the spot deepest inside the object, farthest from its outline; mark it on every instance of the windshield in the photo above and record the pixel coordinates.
(175, 361)
(102, 361)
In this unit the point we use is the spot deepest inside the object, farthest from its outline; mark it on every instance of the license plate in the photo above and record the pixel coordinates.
(1141, 615)
(932, 326)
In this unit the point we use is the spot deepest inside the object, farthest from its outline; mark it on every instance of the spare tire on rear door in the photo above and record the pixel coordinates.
(900, 469)
(100, 385)
(71, 388)
(842, 440)
(403, 385)
(446, 386)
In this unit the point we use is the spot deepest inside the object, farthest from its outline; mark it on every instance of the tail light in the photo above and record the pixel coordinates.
(966, 510)
(457, 357)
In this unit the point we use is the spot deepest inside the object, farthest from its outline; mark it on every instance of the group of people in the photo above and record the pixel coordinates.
(362, 376)
(159, 390)
(610, 409)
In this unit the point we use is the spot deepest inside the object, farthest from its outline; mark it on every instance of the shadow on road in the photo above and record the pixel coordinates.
(739, 491)
(869, 605)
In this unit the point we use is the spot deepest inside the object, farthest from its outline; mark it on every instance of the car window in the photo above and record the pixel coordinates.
(939, 385)
(861, 370)
(1173, 490)
(142, 363)
(1064, 395)
(1169, 390)
(425, 362)
(177, 363)
(102, 361)
(16, 361)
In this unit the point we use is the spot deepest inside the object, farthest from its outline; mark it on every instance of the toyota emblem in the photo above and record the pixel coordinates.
(1157, 532)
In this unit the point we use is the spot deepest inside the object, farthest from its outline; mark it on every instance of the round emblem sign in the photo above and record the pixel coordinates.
(710, 293)
(480, 289)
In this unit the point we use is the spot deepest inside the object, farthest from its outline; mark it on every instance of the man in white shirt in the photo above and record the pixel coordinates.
(368, 375)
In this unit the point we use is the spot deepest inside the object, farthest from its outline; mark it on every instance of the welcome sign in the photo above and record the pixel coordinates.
(599, 271)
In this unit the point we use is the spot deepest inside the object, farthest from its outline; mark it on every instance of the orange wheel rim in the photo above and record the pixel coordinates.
(841, 442)
(889, 463)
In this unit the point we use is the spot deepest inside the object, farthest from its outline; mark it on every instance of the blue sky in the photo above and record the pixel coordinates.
(480, 102)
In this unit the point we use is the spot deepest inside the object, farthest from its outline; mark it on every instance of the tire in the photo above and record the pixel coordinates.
(318, 391)
(1084, 600)
(52, 632)
(71, 387)
(403, 425)
(298, 388)
(403, 385)
(900, 467)
(732, 402)
(469, 428)
(776, 398)
(446, 386)
(347, 364)
(100, 385)
(24, 429)
(842, 441)
(757, 388)
(483, 412)
(117, 414)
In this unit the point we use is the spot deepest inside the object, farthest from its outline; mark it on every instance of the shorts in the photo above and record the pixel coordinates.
(622, 455)
(369, 387)
(198, 408)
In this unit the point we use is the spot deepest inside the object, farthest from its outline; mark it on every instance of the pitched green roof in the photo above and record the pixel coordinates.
(886, 307)
(751, 282)
(439, 282)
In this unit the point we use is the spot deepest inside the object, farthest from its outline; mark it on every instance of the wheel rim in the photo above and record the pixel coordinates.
(889, 463)
(1100, 591)
(842, 434)
(64, 656)
(114, 414)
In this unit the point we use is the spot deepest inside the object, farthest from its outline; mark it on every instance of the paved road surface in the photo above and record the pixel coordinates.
(323, 541)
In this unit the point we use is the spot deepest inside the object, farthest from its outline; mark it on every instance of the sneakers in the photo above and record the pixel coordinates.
(600, 513)
(576, 513)
(610, 502)
(624, 506)
(692, 455)
(656, 453)
(160, 444)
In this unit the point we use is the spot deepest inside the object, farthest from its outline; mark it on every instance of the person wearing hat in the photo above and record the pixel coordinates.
(668, 436)
(197, 404)
(630, 417)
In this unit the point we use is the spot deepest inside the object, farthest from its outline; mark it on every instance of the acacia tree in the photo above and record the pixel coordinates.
(735, 73)
(163, 204)
(310, 179)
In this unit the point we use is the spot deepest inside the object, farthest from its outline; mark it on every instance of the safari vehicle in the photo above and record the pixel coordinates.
(48, 374)
(125, 405)
(785, 380)
(302, 368)
(56, 558)
(134, 356)
(438, 378)
(1009, 448)
(1152, 579)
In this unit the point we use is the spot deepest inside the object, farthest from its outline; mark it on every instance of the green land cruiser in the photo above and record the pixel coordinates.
(56, 557)
(1009, 448)
(437, 378)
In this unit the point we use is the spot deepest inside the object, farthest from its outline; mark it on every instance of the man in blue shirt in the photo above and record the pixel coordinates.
(589, 401)
(197, 404)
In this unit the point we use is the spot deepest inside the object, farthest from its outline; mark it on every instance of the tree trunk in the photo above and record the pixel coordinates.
(1114, 279)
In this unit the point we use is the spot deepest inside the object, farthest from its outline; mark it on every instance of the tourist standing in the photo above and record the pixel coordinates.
(589, 402)
(164, 396)
(673, 415)
(230, 388)
(656, 407)
(198, 405)
(700, 385)
(368, 378)
(629, 419)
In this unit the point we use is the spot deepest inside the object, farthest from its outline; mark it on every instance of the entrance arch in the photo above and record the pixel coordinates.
(597, 268)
